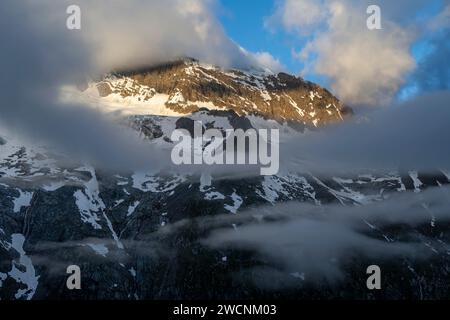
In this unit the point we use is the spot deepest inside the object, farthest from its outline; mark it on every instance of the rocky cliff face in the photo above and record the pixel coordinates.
(189, 86)
(141, 235)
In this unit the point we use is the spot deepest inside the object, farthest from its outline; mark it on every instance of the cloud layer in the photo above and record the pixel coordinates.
(40, 55)
(411, 136)
(138, 32)
(317, 242)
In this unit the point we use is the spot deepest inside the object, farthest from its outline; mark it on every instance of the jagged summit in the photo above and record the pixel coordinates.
(185, 86)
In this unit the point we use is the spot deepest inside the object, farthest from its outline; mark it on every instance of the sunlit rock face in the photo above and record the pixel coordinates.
(186, 86)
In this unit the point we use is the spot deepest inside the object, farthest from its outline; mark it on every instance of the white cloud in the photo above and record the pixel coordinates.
(299, 16)
(137, 32)
(268, 61)
(365, 67)
(133, 33)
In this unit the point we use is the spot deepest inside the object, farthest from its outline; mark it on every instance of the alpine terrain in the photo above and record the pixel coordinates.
(143, 235)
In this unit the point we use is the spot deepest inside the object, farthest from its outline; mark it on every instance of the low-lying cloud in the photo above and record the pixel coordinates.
(316, 242)
(411, 136)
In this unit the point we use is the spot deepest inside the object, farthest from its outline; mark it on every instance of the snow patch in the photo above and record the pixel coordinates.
(214, 195)
(150, 183)
(237, 202)
(100, 249)
(415, 178)
(23, 200)
(132, 208)
(26, 274)
(90, 205)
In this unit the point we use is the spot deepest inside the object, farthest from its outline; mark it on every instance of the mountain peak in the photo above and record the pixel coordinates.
(187, 85)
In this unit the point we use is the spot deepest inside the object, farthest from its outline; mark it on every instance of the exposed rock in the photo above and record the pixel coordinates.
(104, 89)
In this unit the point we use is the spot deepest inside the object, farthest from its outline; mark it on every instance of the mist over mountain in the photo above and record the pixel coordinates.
(127, 224)
(86, 176)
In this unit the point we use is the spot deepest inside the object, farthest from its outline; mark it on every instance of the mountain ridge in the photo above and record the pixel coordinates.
(188, 86)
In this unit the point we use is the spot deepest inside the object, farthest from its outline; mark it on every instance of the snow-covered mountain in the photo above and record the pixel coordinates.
(136, 235)
(186, 86)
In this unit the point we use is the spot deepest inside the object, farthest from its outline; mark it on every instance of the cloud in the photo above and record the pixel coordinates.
(266, 60)
(410, 136)
(364, 67)
(297, 16)
(40, 55)
(317, 242)
(138, 32)
(128, 34)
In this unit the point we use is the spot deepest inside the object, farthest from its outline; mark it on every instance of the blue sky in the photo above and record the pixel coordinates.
(243, 21)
